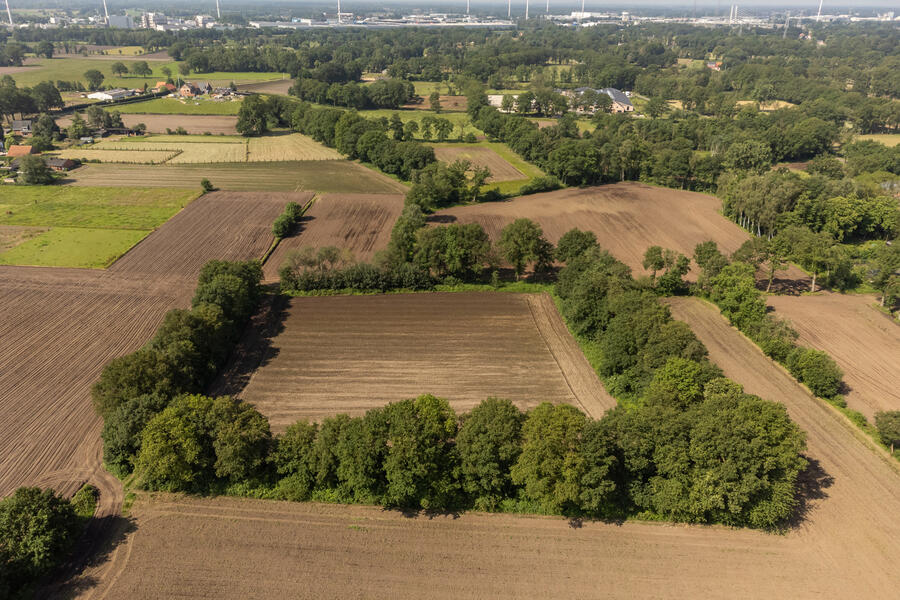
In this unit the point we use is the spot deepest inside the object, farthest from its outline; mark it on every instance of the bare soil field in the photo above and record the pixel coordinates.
(501, 170)
(337, 176)
(347, 354)
(450, 103)
(855, 523)
(194, 124)
(59, 328)
(278, 86)
(360, 223)
(233, 548)
(627, 218)
(220, 225)
(864, 342)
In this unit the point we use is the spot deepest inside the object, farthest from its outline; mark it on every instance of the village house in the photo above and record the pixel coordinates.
(19, 150)
(22, 127)
(189, 90)
(60, 164)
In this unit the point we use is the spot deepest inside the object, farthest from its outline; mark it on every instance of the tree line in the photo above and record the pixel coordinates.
(182, 358)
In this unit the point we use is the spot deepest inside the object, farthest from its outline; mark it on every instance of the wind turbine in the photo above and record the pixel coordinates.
(218, 10)
(581, 16)
(339, 11)
(526, 10)
(9, 13)
(467, 6)
(106, 11)
(508, 9)
(819, 14)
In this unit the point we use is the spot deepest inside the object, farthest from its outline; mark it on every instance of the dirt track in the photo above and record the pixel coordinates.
(220, 225)
(864, 342)
(855, 527)
(360, 223)
(352, 353)
(627, 218)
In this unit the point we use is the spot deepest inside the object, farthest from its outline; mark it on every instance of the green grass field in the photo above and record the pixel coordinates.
(174, 106)
(72, 69)
(74, 247)
(457, 118)
(89, 227)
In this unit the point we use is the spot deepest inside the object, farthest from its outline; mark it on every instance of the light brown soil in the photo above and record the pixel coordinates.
(360, 223)
(627, 218)
(231, 548)
(501, 170)
(59, 328)
(220, 225)
(196, 124)
(347, 354)
(279, 86)
(864, 342)
(854, 527)
(448, 103)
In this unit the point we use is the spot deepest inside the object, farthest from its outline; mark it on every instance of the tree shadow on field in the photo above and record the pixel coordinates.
(95, 547)
(255, 349)
(442, 219)
(811, 485)
(415, 513)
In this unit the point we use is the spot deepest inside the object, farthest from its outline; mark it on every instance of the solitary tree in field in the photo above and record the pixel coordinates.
(45, 49)
(118, 68)
(435, 100)
(94, 78)
(141, 69)
(888, 424)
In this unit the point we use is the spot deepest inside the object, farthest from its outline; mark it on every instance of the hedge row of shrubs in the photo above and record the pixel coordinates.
(732, 287)
(286, 222)
(361, 277)
(182, 358)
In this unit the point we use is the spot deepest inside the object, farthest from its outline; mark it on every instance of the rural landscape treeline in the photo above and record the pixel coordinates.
(171, 198)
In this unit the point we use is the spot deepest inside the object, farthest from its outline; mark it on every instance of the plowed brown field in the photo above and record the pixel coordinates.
(59, 328)
(195, 124)
(221, 225)
(347, 354)
(864, 342)
(855, 526)
(627, 218)
(501, 170)
(229, 548)
(360, 223)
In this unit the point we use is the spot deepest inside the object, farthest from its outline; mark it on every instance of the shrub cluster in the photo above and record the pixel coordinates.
(285, 222)
(37, 528)
(362, 277)
(182, 358)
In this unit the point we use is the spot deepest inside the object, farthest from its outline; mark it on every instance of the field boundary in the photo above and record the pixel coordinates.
(866, 435)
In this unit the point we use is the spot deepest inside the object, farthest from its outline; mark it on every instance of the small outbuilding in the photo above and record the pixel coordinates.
(60, 164)
(19, 150)
(22, 126)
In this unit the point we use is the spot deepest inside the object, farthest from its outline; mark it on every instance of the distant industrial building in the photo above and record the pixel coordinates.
(121, 21)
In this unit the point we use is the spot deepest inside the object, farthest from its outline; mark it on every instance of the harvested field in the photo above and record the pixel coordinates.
(500, 169)
(278, 86)
(178, 152)
(627, 218)
(59, 328)
(135, 156)
(197, 124)
(347, 354)
(13, 235)
(220, 225)
(209, 153)
(449, 103)
(864, 342)
(291, 147)
(360, 223)
(330, 551)
(855, 523)
(338, 176)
